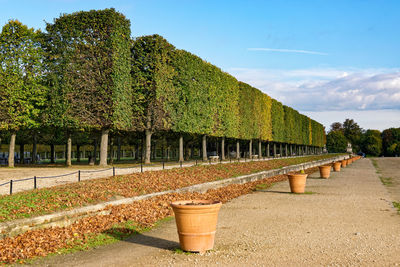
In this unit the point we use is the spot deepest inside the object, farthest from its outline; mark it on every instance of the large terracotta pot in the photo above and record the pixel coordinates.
(348, 161)
(344, 163)
(196, 221)
(325, 171)
(336, 166)
(297, 182)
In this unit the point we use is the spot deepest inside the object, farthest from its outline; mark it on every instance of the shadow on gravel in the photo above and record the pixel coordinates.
(146, 240)
(276, 192)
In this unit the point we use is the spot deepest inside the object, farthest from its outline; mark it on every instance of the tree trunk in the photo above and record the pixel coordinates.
(69, 150)
(268, 148)
(103, 147)
(237, 150)
(11, 150)
(111, 150)
(52, 153)
(147, 159)
(259, 149)
(274, 150)
(92, 160)
(223, 148)
(34, 148)
(181, 148)
(78, 153)
(204, 142)
(119, 148)
(250, 149)
(21, 153)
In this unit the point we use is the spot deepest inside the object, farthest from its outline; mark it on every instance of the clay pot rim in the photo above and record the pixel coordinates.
(297, 174)
(325, 166)
(207, 204)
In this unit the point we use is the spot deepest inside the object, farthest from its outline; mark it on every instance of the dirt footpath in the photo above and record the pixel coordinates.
(347, 220)
(389, 169)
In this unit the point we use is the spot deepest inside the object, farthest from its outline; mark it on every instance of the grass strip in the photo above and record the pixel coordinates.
(49, 200)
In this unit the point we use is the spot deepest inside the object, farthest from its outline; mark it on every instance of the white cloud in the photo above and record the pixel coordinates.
(327, 89)
(363, 93)
(288, 51)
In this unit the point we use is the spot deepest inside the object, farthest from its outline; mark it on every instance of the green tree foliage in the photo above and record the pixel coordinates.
(153, 89)
(336, 142)
(391, 141)
(89, 54)
(22, 94)
(371, 143)
(207, 98)
(336, 126)
(278, 121)
(353, 132)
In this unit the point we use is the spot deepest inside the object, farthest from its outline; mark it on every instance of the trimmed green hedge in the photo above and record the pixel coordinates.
(192, 96)
(99, 78)
(89, 56)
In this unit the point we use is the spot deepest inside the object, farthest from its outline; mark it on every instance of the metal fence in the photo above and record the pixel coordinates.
(142, 169)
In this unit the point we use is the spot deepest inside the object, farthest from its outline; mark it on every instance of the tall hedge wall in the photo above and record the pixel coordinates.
(89, 54)
(207, 98)
(100, 78)
(193, 96)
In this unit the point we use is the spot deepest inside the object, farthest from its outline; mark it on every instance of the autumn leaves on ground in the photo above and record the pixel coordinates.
(123, 220)
(48, 200)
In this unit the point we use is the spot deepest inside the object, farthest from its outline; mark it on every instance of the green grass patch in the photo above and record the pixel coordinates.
(386, 180)
(49, 200)
(397, 206)
(118, 232)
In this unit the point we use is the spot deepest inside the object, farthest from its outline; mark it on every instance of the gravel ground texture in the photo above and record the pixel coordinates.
(389, 171)
(346, 220)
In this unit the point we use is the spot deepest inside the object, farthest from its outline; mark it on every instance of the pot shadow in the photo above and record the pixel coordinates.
(276, 192)
(135, 237)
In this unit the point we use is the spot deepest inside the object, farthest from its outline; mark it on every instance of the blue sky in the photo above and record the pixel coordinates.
(330, 60)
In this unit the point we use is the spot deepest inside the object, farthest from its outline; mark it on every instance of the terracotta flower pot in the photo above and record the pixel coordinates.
(348, 161)
(196, 221)
(325, 171)
(344, 163)
(297, 182)
(336, 166)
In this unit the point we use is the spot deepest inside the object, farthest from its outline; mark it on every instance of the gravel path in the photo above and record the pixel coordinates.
(347, 220)
(389, 170)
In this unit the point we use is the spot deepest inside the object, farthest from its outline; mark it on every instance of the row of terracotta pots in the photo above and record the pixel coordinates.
(297, 181)
(196, 220)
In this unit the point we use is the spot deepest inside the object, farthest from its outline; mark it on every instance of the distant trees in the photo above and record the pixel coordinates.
(336, 142)
(391, 142)
(371, 142)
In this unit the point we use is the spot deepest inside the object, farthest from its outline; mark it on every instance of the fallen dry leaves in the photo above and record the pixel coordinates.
(63, 197)
(145, 213)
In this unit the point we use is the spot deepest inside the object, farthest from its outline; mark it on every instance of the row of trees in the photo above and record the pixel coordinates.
(371, 142)
(85, 75)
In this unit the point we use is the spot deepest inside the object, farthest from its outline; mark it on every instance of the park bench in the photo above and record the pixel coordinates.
(214, 158)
